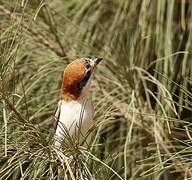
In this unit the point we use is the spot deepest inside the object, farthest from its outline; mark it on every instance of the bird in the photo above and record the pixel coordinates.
(74, 112)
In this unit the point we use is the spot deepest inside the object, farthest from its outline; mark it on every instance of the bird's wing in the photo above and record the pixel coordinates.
(57, 115)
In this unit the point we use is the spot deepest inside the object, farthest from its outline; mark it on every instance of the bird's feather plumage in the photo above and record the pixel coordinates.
(74, 112)
(73, 73)
(57, 115)
(74, 120)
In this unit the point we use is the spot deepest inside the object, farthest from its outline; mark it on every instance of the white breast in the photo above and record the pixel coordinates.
(75, 121)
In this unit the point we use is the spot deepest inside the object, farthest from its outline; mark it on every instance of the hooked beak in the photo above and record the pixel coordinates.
(97, 61)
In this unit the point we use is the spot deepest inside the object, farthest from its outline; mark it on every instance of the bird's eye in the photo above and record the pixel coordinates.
(87, 64)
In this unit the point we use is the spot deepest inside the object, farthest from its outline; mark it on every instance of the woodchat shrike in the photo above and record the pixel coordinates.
(74, 113)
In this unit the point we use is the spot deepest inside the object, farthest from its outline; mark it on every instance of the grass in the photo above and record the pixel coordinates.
(141, 91)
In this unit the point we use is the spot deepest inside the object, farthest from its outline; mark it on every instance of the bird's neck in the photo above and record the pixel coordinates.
(73, 95)
(70, 97)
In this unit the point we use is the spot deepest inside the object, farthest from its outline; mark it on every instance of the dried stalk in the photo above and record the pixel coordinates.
(177, 165)
(37, 36)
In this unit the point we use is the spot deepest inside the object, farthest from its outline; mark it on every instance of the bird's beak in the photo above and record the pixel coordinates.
(97, 61)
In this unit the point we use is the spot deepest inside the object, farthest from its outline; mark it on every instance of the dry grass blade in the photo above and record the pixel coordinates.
(141, 93)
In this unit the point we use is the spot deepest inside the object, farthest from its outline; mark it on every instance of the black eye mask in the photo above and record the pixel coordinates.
(84, 80)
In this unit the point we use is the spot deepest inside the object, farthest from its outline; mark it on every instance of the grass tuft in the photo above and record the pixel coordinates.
(141, 91)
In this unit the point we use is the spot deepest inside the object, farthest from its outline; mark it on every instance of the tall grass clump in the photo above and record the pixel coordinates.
(141, 91)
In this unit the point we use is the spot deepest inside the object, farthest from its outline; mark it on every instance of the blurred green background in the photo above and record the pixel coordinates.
(141, 91)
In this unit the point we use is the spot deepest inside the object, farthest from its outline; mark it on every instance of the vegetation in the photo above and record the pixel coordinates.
(141, 91)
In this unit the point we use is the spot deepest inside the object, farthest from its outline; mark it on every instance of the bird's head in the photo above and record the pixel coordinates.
(77, 77)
